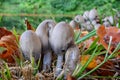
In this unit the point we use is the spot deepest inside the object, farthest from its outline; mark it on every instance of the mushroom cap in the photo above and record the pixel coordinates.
(44, 31)
(106, 24)
(86, 15)
(79, 19)
(93, 14)
(30, 44)
(62, 37)
(111, 19)
(96, 26)
(71, 58)
(73, 24)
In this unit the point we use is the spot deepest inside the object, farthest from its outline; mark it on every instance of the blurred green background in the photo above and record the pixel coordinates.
(53, 9)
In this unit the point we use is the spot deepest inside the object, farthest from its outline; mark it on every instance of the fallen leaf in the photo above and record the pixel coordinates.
(93, 63)
(8, 41)
(105, 33)
(107, 69)
(88, 42)
(4, 32)
(28, 25)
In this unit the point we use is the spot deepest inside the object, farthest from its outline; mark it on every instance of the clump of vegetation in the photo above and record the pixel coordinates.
(90, 42)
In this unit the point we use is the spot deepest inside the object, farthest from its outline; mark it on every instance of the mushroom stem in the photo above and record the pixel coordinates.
(59, 64)
(47, 60)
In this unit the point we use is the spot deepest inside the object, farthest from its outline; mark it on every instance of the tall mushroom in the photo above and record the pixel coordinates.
(30, 45)
(61, 39)
(44, 31)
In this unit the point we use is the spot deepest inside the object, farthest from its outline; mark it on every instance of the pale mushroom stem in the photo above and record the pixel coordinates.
(47, 60)
(59, 64)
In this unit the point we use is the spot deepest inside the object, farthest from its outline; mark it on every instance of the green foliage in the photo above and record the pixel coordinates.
(50, 8)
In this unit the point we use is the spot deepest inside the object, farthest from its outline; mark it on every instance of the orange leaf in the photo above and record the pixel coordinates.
(89, 41)
(4, 32)
(29, 27)
(8, 41)
(93, 63)
(105, 33)
(106, 69)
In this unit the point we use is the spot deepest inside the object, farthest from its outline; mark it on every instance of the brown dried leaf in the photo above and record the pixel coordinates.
(93, 63)
(105, 33)
(28, 25)
(8, 41)
(107, 69)
(4, 32)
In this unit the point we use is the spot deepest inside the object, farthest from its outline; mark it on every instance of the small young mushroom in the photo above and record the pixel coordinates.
(71, 59)
(93, 14)
(74, 24)
(61, 39)
(86, 15)
(79, 19)
(96, 26)
(30, 45)
(44, 31)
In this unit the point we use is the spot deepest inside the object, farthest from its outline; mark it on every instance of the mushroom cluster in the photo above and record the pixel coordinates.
(90, 20)
(51, 37)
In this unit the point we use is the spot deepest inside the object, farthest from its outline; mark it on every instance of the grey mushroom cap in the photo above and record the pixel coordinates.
(62, 37)
(44, 31)
(74, 24)
(71, 58)
(79, 19)
(106, 24)
(93, 14)
(86, 15)
(30, 45)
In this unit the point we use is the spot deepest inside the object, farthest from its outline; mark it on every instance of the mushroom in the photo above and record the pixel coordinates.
(106, 22)
(93, 15)
(44, 31)
(71, 59)
(86, 15)
(79, 19)
(30, 45)
(74, 24)
(96, 26)
(61, 39)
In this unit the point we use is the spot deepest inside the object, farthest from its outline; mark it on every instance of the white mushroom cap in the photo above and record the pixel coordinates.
(111, 19)
(106, 24)
(71, 59)
(89, 27)
(94, 22)
(93, 14)
(86, 15)
(73, 24)
(96, 26)
(79, 19)
(62, 36)
(30, 45)
(44, 31)
(117, 25)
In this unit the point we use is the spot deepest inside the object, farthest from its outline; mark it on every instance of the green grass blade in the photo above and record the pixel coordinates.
(92, 33)
(80, 71)
(7, 71)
